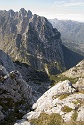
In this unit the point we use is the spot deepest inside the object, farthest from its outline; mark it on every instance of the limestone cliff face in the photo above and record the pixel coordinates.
(31, 39)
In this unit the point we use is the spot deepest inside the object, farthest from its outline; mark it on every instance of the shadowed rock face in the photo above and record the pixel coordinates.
(71, 58)
(15, 96)
(6, 61)
(31, 39)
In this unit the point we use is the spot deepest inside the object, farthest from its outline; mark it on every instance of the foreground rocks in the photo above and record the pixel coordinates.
(15, 96)
(65, 98)
(61, 99)
(76, 73)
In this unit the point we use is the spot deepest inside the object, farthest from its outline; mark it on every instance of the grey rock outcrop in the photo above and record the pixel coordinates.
(61, 88)
(38, 80)
(23, 122)
(15, 93)
(58, 99)
(1, 116)
(81, 114)
(80, 84)
(76, 71)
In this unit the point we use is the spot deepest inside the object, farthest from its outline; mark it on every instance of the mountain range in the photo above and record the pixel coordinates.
(71, 33)
(35, 86)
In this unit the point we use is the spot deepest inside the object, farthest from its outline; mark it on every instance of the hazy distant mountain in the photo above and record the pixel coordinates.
(72, 33)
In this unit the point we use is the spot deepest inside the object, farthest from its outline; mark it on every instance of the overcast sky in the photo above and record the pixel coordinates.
(61, 9)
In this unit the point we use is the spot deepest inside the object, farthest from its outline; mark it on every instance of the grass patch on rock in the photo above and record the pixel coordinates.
(66, 109)
(76, 102)
(74, 116)
(63, 96)
(45, 119)
(56, 78)
(81, 91)
(71, 122)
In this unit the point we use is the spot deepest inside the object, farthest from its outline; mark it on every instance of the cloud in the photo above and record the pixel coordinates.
(61, 16)
(75, 17)
(74, 4)
(69, 3)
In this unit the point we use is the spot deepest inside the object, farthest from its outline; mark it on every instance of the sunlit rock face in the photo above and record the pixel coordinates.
(61, 99)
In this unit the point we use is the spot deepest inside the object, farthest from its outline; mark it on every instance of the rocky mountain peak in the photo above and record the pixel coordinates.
(23, 12)
(29, 14)
(25, 31)
(11, 13)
